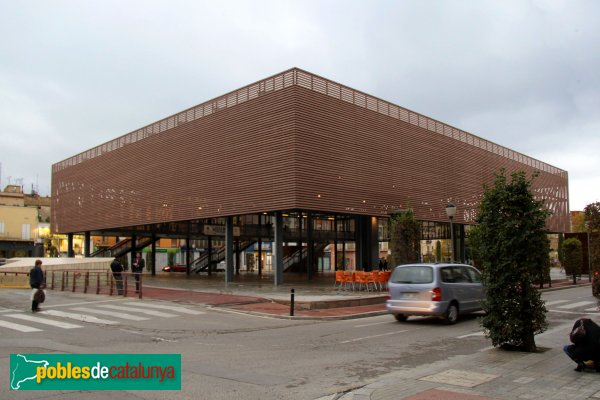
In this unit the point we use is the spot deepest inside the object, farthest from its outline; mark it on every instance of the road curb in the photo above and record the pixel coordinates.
(301, 317)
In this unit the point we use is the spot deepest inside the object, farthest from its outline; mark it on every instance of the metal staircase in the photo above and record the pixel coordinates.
(122, 247)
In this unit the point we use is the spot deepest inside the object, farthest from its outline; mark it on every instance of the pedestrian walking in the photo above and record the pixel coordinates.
(36, 281)
(117, 269)
(137, 268)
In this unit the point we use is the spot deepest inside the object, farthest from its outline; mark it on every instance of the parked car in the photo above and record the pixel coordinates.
(440, 290)
(175, 268)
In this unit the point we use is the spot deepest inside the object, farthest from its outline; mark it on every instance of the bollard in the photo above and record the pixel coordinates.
(292, 303)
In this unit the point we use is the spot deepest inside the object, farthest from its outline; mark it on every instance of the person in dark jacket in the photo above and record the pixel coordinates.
(137, 268)
(586, 344)
(36, 281)
(117, 270)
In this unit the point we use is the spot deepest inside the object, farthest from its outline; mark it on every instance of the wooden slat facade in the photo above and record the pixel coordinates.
(291, 141)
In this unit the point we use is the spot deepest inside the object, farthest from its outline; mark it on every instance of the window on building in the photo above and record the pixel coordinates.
(25, 231)
(1, 227)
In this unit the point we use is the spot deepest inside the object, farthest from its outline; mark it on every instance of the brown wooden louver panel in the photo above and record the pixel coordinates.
(294, 140)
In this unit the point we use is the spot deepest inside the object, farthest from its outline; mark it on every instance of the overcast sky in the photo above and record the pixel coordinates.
(524, 74)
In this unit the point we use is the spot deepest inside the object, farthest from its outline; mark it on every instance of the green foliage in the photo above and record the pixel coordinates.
(577, 221)
(438, 251)
(592, 216)
(405, 234)
(561, 240)
(513, 246)
(572, 257)
(474, 244)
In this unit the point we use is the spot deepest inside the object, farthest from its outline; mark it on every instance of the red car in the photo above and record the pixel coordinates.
(175, 268)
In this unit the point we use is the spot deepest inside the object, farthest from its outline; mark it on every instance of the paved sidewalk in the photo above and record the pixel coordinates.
(491, 374)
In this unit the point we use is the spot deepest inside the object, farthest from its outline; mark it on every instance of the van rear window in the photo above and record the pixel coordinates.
(416, 274)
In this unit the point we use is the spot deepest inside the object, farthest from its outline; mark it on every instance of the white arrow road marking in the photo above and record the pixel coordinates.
(373, 336)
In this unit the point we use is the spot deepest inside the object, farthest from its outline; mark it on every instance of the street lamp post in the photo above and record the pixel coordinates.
(451, 212)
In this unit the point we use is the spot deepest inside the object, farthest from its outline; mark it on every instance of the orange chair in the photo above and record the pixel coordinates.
(348, 278)
(359, 278)
(339, 279)
(372, 278)
(364, 278)
(384, 277)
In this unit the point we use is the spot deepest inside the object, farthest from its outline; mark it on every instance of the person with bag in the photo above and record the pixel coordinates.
(117, 268)
(585, 339)
(36, 281)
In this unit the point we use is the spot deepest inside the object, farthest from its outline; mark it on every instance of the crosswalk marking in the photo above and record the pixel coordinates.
(116, 314)
(139, 310)
(592, 309)
(553, 302)
(575, 305)
(39, 320)
(18, 327)
(78, 317)
(5, 310)
(182, 310)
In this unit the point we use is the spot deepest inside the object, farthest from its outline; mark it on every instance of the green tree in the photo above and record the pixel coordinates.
(405, 235)
(513, 245)
(572, 257)
(592, 216)
(474, 244)
(561, 240)
(577, 221)
(438, 251)
(592, 219)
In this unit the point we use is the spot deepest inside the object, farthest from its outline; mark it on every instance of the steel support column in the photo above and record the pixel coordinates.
(310, 243)
(278, 250)
(70, 252)
(259, 245)
(188, 258)
(229, 249)
(358, 243)
(133, 250)
(153, 254)
(87, 245)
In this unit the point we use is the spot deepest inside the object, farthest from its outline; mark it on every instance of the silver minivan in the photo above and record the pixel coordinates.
(441, 290)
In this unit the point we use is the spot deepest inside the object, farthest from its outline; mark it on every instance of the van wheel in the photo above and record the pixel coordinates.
(401, 317)
(451, 314)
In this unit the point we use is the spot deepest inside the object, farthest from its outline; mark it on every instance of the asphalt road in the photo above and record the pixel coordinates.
(229, 355)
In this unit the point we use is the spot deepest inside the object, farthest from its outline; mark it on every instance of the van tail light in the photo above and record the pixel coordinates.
(436, 294)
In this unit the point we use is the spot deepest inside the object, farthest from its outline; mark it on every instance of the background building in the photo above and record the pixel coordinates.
(24, 223)
(294, 160)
